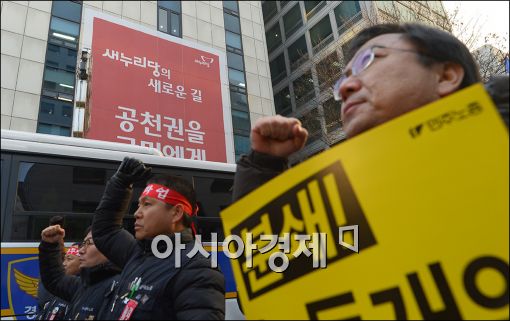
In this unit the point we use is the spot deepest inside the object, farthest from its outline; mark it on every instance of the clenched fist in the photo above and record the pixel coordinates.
(53, 234)
(278, 136)
(132, 170)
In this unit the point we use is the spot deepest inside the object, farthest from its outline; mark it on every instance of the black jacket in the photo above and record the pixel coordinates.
(255, 169)
(86, 294)
(48, 304)
(193, 291)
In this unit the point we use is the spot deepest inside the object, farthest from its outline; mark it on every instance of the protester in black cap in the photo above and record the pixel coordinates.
(152, 288)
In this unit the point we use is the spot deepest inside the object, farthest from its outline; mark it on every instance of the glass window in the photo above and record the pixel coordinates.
(303, 88)
(29, 227)
(236, 78)
(235, 61)
(321, 33)
(53, 129)
(278, 69)
(347, 12)
(169, 22)
(269, 10)
(61, 57)
(171, 5)
(56, 112)
(58, 81)
(163, 20)
(312, 7)
(64, 33)
(284, 3)
(69, 10)
(332, 114)
(311, 121)
(239, 101)
(67, 193)
(298, 53)
(231, 5)
(242, 144)
(328, 70)
(232, 23)
(213, 195)
(175, 24)
(233, 40)
(241, 121)
(292, 20)
(273, 37)
(282, 102)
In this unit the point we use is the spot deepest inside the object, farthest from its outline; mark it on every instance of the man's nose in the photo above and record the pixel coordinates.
(350, 85)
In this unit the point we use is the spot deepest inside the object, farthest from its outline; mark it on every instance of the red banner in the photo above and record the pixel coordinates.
(153, 92)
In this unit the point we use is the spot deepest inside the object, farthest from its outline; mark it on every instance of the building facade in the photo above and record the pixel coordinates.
(42, 51)
(306, 43)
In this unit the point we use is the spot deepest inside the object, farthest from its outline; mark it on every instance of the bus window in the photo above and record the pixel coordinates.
(59, 188)
(213, 195)
(28, 228)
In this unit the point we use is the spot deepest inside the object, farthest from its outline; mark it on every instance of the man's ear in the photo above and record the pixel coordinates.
(451, 75)
(179, 212)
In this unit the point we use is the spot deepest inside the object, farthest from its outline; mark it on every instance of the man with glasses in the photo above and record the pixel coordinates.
(392, 69)
(87, 293)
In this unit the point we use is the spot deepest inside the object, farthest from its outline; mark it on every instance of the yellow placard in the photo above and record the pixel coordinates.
(428, 194)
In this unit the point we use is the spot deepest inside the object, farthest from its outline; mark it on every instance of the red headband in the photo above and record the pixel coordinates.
(171, 197)
(73, 250)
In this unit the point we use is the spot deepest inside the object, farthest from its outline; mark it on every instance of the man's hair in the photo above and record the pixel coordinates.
(181, 186)
(434, 45)
(87, 231)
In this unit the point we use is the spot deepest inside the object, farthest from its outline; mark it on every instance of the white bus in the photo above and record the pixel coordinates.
(46, 175)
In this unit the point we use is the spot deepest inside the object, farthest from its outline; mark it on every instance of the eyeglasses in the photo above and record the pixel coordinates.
(86, 243)
(361, 62)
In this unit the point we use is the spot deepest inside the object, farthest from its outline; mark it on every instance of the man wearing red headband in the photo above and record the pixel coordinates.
(150, 287)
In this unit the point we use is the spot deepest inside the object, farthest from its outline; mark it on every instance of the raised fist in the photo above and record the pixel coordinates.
(278, 136)
(53, 234)
(132, 170)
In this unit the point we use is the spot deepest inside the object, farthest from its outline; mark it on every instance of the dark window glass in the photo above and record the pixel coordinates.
(213, 195)
(58, 83)
(233, 40)
(332, 114)
(284, 3)
(61, 57)
(242, 144)
(232, 23)
(346, 14)
(303, 88)
(68, 10)
(171, 5)
(298, 53)
(64, 33)
(241, 121)
(292, 20)
(282, 102)
(328, 70)
(312, 7)
(68, 187)
(273, 37)
(231, 5)
(169, 22)
(239, 101)
(321, 34)
(53, 129)
(278, 70)
(29, 227)
(236, 78)
(269, 10)
(311, 122)
(56, 112)
(235, 61)
(175, 24)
